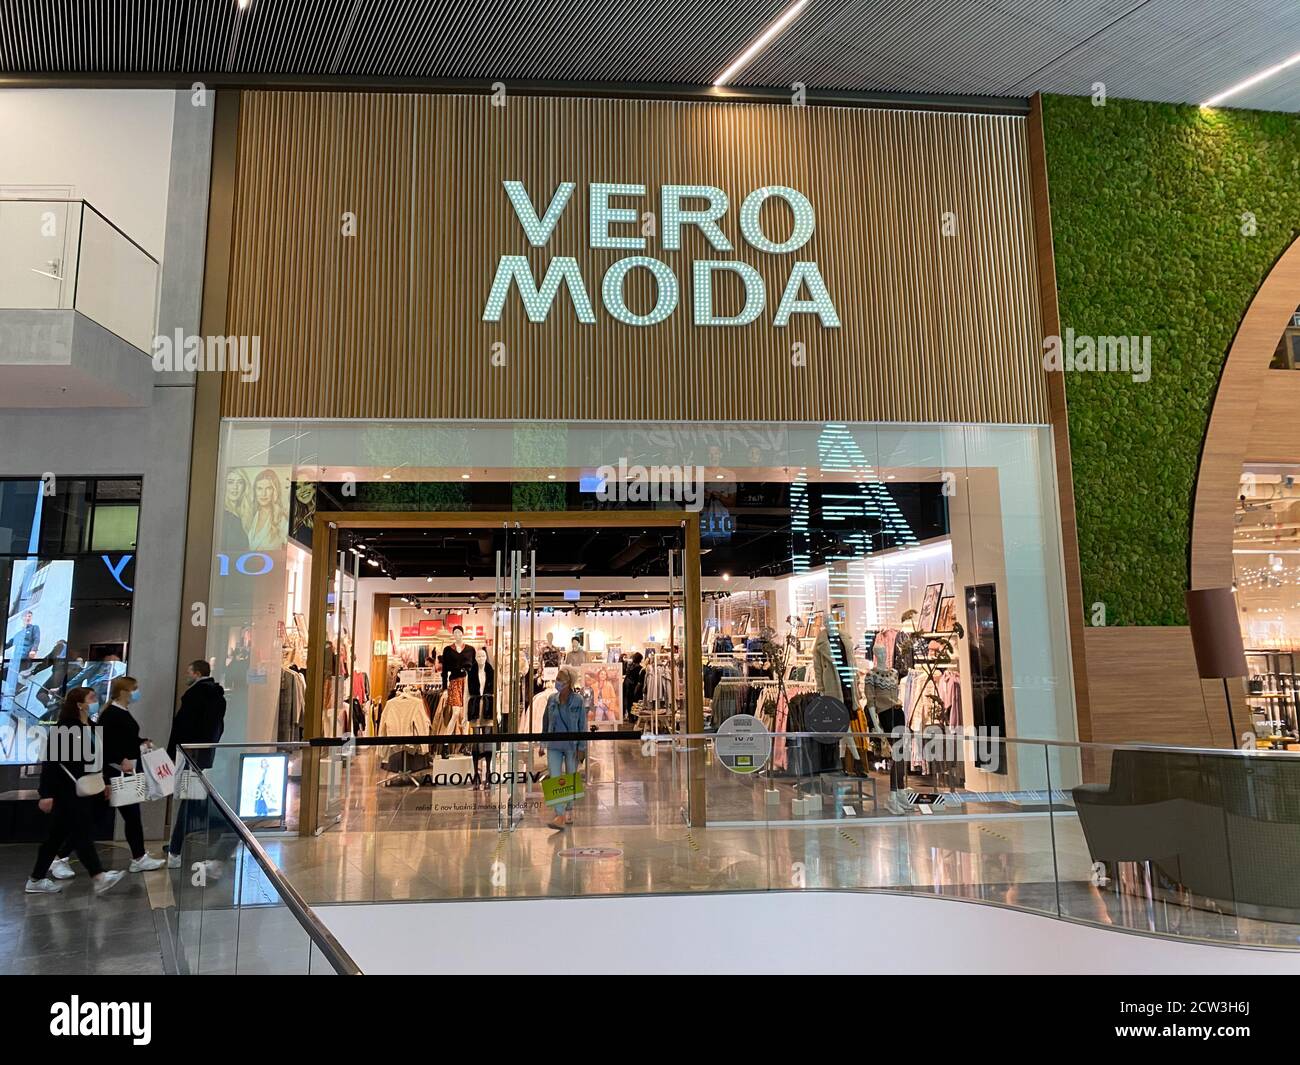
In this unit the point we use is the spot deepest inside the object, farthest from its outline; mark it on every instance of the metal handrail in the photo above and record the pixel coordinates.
(606, 736)
(306, 917)
(85, 203)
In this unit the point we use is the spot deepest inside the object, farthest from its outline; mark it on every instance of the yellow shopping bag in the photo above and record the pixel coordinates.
(566, 788)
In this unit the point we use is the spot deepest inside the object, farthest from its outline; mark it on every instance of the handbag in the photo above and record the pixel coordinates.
(127, 790)
(188, 786)
(88, 785)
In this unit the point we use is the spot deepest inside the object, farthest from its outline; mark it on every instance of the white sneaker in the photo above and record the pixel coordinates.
(146, 863)
(42, 887)
(107, 879)
(173, 861)
(61, 869)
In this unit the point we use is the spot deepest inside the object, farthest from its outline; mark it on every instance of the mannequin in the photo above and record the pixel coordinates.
(550, 653)
(576, 656)
(457, 661)
(482, 713)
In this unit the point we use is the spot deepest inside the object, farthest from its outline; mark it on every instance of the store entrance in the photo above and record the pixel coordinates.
(468, 617)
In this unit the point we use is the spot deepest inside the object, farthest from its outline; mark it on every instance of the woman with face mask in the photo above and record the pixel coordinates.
(122, 747)
(565, 712)
(67, 760)
(482, 713)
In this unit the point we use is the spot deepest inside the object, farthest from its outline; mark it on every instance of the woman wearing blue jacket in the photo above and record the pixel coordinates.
(565, 712)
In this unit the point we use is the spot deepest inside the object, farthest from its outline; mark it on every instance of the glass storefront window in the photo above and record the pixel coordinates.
(942, 539)
(1266, 578)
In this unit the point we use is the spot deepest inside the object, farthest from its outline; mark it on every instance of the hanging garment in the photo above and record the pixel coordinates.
(950, 695)
(726, 701)
(824, 674)
(404, 715)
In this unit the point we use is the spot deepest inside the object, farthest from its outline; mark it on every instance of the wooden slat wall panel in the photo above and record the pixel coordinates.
(1275, 430)
(387, 324)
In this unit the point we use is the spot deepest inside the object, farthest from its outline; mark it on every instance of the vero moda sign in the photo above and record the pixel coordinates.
(616, 220)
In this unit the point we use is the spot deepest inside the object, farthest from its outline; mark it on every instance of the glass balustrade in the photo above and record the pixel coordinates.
(66, 255)
(1195, 844)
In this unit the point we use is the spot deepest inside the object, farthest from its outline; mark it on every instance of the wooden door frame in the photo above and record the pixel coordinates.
(324, 546)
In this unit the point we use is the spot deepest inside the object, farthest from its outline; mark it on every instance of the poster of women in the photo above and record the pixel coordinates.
(602, 687)
(255, 509)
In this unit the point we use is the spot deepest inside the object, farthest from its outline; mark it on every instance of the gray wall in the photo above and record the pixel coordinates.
(153, 442)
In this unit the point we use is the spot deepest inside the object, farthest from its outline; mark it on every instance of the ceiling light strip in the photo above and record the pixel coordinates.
(764, 39)
(1263, 75)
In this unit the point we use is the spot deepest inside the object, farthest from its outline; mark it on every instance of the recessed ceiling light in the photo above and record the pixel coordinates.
(719, 477)
(550, 476)
(464, 476)
(1254, 79)
(726, 576)
(428, 580)
(764, 39)
(388, 477)
(371, 562)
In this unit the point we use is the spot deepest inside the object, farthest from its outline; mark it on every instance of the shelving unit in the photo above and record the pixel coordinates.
(1279, 696)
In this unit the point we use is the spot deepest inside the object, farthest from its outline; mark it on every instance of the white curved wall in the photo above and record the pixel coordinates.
(771, 933)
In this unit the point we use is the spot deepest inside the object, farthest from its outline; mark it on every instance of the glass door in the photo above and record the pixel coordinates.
(519, 672)
(339, 665)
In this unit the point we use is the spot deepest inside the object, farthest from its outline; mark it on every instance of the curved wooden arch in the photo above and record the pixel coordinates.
(1242, 386)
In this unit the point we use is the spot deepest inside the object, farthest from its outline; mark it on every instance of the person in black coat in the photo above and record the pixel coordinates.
(200, 719)
(71, 815)
(202, 714)
(633, 682)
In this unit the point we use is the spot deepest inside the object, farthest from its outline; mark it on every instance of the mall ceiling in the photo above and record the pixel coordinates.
(1178, 50)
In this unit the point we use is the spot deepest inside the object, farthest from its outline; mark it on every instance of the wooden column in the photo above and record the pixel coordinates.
(1075, 611)
(324, 546)
(379, 663)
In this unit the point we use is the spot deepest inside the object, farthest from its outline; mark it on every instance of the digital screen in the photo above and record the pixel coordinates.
(263, 782)
(36, 635)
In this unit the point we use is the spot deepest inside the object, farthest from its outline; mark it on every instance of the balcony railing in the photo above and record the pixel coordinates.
(1176, 843)
(66, 255)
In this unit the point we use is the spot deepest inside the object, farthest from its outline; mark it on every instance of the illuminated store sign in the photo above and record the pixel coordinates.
(805, 291)
(250, 564)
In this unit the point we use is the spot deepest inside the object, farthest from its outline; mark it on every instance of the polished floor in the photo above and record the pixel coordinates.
(75, 933)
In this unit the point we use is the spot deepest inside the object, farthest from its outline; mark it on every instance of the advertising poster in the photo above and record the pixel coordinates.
(255, 509)
(602, 689)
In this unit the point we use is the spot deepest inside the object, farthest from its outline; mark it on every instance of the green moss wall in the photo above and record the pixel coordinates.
(1147, 204)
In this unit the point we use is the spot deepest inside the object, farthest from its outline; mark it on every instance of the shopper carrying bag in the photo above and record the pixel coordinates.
(68, 792)
(201, 719)
(565, 712)
(123, 746)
